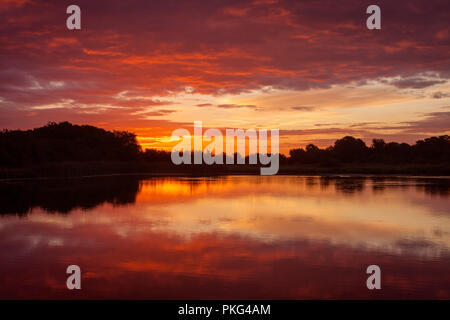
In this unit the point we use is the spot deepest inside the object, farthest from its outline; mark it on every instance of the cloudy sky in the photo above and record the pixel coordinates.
(309, 68)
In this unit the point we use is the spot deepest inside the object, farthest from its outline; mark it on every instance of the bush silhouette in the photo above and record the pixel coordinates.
(65, 142)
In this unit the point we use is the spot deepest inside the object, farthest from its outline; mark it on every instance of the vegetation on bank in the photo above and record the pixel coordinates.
(63, 149)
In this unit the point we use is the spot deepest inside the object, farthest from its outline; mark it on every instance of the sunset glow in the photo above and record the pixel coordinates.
(311, 69)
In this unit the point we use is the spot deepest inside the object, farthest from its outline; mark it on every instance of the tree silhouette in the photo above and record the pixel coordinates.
(65, 142)
(350, 149)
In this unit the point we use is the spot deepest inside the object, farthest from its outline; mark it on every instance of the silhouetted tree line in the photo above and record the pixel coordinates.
(352, 150)
(65, 142)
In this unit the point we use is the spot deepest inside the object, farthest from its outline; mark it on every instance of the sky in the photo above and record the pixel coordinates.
(308, 68)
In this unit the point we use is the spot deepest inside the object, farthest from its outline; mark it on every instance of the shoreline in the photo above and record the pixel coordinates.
(103, 169)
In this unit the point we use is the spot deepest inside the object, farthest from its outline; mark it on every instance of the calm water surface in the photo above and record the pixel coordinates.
(229, 237)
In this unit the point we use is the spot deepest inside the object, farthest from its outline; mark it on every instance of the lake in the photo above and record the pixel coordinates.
(234, 237)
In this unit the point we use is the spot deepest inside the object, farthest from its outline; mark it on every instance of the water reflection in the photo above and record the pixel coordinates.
(230, 237)
(65, 195)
